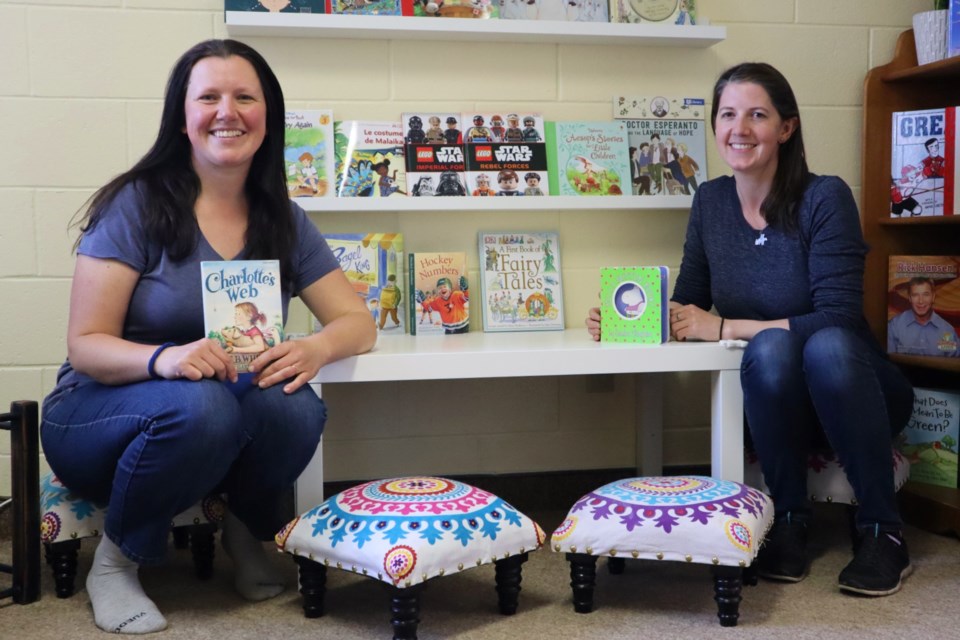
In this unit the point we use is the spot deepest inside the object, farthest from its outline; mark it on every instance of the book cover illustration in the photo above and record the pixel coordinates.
(654, 11)
(502, 127)
(559, 10)
(369, 159)
(930, 438)
(432, 128)
(923, 167)
(242, 307)
(308, 152)
(521, 284)
(278, 6)
(438, 293)
(435, 170)
(667, 143)
(633, 304)
(373, 7)
(588, 158)
(373, 264)
(923, 305)
(953, 29)
(506, 160)
(481, 9)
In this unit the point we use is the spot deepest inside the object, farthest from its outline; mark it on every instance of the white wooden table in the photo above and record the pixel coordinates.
(555, 353)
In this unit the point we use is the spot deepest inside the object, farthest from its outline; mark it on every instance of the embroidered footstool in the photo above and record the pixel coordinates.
(406, 531)
(66, 518)
(681, 518)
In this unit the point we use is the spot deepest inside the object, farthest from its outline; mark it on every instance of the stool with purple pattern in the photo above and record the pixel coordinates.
(406, 531)
(681, 518)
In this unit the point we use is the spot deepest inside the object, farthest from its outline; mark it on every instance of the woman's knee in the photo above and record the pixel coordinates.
(837, 356)
(205, 412)
(771, 361)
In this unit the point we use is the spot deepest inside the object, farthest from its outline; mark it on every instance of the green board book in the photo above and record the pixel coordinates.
(632, 304)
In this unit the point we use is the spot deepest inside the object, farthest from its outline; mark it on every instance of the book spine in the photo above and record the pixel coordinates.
(553, 169)
(950, 163)
(412, 292)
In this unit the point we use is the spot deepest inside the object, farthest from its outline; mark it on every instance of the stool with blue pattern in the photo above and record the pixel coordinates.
(692, 519)
(406, 531)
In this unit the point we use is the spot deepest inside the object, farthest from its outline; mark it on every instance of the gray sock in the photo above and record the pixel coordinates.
(119, 603)
(256, 577)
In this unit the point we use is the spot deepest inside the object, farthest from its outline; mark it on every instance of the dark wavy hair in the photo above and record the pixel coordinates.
(169, 187)
(779, 208)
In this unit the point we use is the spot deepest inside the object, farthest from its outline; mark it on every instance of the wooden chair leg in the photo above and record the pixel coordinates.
(203, 547)
(313, 585)
(583, 579)
(23, 424)
(405, 610)
(62, 558)
(727, 585)
(615, 566)
(508, 576)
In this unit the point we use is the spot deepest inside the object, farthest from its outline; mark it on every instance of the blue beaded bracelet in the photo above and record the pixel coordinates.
(153, 359)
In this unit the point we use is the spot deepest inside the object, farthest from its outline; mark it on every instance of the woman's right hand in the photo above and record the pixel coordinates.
(593, 323)
(203, 358)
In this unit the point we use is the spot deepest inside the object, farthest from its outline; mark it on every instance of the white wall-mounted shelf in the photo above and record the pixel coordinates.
(249, 23)
(526, 203)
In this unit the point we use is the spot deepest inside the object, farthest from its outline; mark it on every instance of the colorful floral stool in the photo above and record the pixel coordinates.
(406, 531)
(681, 518)
(66, 518)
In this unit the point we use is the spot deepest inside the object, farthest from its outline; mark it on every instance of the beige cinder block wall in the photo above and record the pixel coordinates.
(81, 83)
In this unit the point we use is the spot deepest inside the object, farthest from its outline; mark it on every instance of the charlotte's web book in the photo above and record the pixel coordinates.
(483, 9)
(667, 143)
(923, 168)
(373, 264)
(654, 11)
(521, 288)
(559, 10)
(369, 159)
(242, 306)
(930, 439)
(633, 303)
(278, 6)
(308, 152)
(588, 158)
(438, 292)
(923, 305)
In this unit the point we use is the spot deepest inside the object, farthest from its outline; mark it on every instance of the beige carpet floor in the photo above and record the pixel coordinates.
(650, 600)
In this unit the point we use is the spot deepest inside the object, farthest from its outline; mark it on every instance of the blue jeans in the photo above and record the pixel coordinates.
(836, 382)
(150, 450)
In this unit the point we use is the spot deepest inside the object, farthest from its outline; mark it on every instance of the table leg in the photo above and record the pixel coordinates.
(308, 490)
(726, 425)
(648, 392)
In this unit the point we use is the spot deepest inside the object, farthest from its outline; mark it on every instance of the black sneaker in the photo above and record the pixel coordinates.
(783, 555)
(879, 566)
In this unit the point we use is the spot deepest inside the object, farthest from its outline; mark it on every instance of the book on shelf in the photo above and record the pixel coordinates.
(482, 9)
(373, 263)
(279, 6)
(435, 166)
(633, 304)
(587, 158)
(953, 29)
(308, 153)
(667, 140)
(682, 12)
(434, 127)
(930, 439)
(521, 286)
(557, 10)
(489, 126)
(438, 292)
(923, 163)
(372, 7)
(369, 159)
(923, 305)
(506, 160)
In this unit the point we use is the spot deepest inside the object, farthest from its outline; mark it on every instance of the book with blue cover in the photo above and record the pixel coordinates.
(373, 264)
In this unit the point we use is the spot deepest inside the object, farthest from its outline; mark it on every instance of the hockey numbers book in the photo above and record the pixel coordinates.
(242, 307)
(521, 287)
(438, 292)
(931, 437)
(633, 304)
(373, 264)
(923, 168)
(923, 305)
(308, 153)
(588, 158)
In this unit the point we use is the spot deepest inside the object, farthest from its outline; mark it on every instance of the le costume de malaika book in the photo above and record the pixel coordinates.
(923, 305)
(677, 12)
(308, 153)
(633, 304)
(667, 143)
(931, 437)
(438, 292)
(433, 146)
(369, 159)
(521, 284)
(588, 158)
(556, 10)
(923, 165)
(505, 154)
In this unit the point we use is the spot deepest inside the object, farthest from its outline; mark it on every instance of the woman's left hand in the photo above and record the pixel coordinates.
(690, 322)
(295, 360)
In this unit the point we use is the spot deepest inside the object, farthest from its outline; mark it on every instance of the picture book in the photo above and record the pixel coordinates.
(242, 306)
(373, 263)
(432, 128)
(654, 11)
(278, 6)
(438, 293)
(924, 171)
(497, 127)
(507, 169)
(369, 159)
(373, 7)
(560, 10)
(923, 305)
(308, 152)
(483, 9)
(667, 143)
(588, 158)
(953, 29)
(435, 170)
(520, 281)
(930, 439)
(633, 304)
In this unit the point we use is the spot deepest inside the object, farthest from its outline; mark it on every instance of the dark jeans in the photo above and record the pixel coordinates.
(836, 382)
(150, 450)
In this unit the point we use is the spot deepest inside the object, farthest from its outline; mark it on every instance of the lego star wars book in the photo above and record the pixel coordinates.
(633, 304)
(278, 6)
(373, 263)
(558, 10)
(473, 9)
(923, 163)
(931, 437)
(438, 293)
(369, 159)
(676, 12)
(505, 154)
(308, 153)
(435, 127)
(521, 282)
(588, 158)
(667, 143)
(923, 305)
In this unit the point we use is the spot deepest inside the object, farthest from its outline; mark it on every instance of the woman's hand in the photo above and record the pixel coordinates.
(294, 360)
(690, 322)
(593, 323)
(203, 358)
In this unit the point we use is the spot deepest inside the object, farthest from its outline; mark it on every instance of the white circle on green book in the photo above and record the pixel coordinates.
(629, 300)
(654, 10)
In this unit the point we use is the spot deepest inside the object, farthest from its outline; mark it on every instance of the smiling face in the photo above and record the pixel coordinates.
(921, 300)
(225, 114)
(749, 130)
